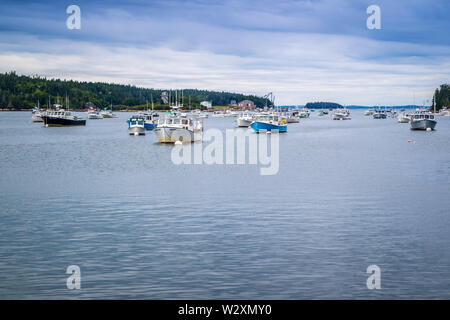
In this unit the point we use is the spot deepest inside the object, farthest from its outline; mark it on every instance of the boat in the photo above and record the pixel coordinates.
(173, 129)
(62, 118)
(423, 120)
(218, 114)
(380, 114)
(263, 122)
(136, 125)
(403, 118)
(244, 120)
(303, 113)
(203, 114)
(290, 117)
(445, 112)
(231, 113)
(149, 120)
(107, 114)
(94, 115)
(37, 114)
(369, 112)
(341, 114)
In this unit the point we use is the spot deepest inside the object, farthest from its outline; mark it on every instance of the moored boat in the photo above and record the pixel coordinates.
(244, 120)
(341, 114)
(269, 123)
(94, 115)
(61, 118)
(173, 129)
(136, 125)
(107, 114)
(403, 118)
(37, 114)
(380, 114)
(423, 120)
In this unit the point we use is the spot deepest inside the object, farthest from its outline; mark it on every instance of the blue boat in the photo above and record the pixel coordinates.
(269, 123)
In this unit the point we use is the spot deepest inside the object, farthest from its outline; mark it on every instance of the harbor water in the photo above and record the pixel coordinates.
(348, 194)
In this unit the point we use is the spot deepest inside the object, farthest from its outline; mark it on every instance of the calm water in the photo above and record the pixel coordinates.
(348, 194)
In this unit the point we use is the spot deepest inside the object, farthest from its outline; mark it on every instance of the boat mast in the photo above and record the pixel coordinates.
(151, 97)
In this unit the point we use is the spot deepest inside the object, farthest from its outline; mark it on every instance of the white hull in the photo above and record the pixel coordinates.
(243, 122)
(172, 135)
(403, 119)
(94, 116)
(136, 131)
(423, 124)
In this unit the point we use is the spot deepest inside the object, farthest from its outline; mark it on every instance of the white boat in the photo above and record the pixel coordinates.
(290, 117)
(94, 114)
(445, 112)
(403, 118)
(203, 114)
(218, 114)
(303, 113)
(244, 119)
(173, 129)
(423, 120)
(342, 114)
(369, 112)
(37, 114)
(136, 126)
(380, 114)
(105, 113)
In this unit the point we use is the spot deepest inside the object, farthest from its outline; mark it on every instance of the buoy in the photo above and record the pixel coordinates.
(409, 141)
(178, 142)
(136, 133)
(269, 132)
(429, 129)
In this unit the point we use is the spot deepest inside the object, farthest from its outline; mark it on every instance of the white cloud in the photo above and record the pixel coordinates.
(297, 67)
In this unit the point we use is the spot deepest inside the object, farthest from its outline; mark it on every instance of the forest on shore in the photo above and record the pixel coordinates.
(24, 92)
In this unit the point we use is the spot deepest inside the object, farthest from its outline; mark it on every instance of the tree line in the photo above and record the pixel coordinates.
(441, 97)
(24, 92)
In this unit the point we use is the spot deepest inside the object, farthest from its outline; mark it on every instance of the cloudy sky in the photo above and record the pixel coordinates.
(316, 50)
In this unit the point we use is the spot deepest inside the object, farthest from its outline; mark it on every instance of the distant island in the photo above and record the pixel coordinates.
(23, 92)
(323, 105)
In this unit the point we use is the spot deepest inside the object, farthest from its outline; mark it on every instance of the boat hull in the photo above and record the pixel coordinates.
(172, 135)
(136, 131)
(147, 125)
(263, 126)
(423, 124)
(243, 122)
(341, 117)
(62, 122)
(379, 116)
(37, 118)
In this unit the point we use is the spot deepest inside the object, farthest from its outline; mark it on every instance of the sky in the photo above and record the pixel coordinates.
(302, 51)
